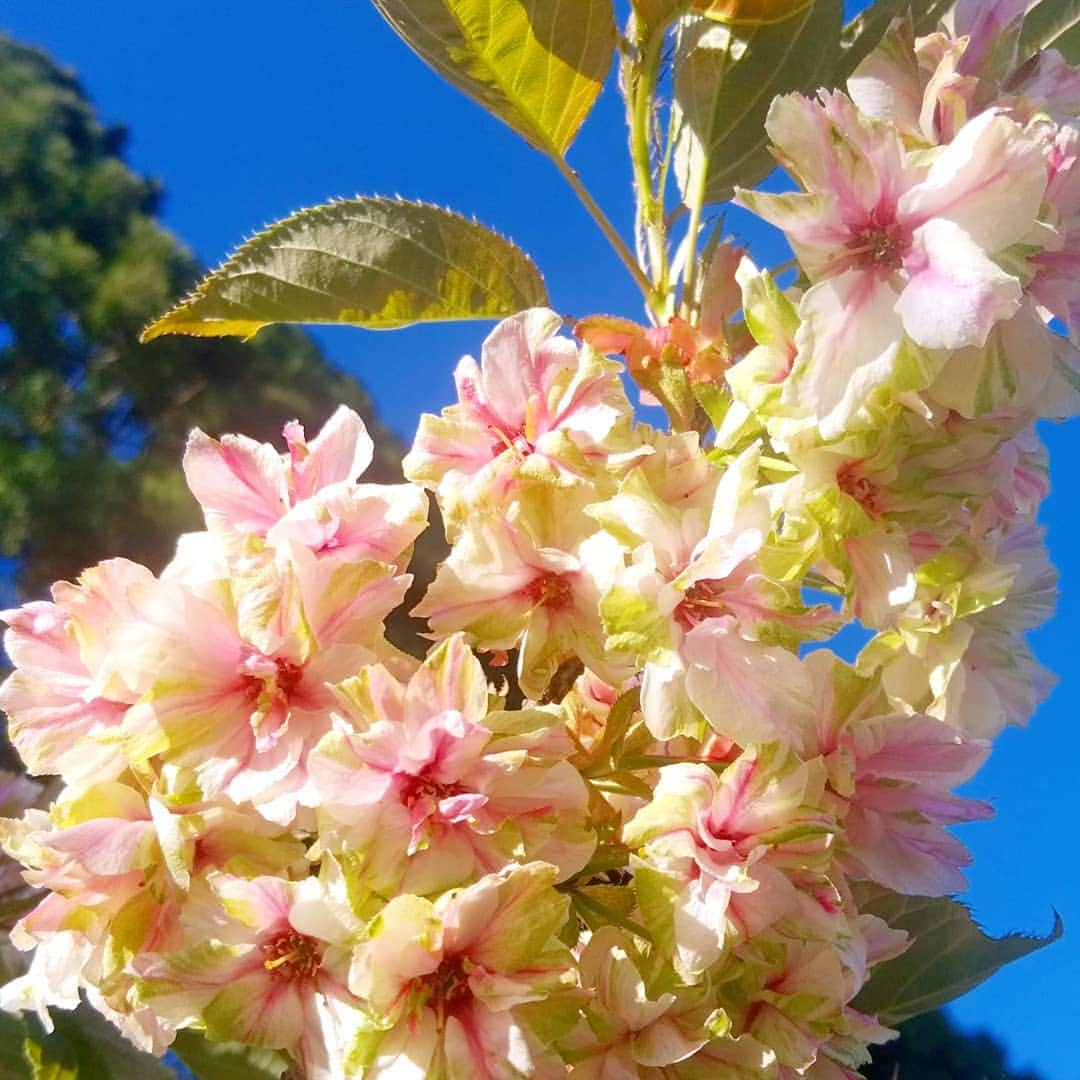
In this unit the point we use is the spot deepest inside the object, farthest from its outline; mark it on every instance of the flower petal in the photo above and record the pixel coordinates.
(956, 294)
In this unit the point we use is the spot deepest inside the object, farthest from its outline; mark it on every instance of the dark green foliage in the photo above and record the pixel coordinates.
(92, 424)
(931, 1048)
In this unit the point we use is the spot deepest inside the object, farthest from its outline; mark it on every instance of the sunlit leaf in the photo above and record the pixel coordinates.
(536, 64)
(725, 80)
(1052, 24)
(949, 954)
(373, 262)
(863, 33)
(227, 1061)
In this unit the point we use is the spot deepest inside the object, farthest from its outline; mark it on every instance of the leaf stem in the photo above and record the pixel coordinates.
(665, 165)
(688, 303)
(606, 227)
(642, 89)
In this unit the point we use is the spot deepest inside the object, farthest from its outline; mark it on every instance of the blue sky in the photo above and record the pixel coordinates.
(247, 111)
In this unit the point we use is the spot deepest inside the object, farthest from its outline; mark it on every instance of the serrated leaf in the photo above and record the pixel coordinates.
(227, 1061)
(538, 65)
(725, 79)
(372, 262)
(862, 34)
(608, 856)
(1052, 24)
(949, 954)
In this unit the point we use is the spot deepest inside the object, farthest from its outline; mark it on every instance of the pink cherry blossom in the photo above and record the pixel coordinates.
(234, 681)
(434, 792)
(64, 703)
(265, 964)
(720, 842)
(893, 248)
(529, 578)
(308, 495)
(532, 399)
(905, 768)
(447, 980)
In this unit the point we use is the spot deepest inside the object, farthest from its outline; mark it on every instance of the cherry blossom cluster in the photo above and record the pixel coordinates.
(620, 821)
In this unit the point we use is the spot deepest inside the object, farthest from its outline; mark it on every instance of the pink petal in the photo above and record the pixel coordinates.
(107, 846)
(848, 343)
(462, 808)
(990, 180)
(956, 294)
(514, 364)
(339, 453)
(993, 30)
(750, 692)
(237, 481)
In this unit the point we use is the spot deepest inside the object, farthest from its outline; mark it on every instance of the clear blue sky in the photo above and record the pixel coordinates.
(248, 110)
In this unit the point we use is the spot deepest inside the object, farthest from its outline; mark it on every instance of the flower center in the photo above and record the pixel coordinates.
(288, 676)
(880, 245)
(864, 491)
(703, 600)
(418, 788)
(550, 590)
(513, 440)
(281, 679)
(447, 987)
(291, 956)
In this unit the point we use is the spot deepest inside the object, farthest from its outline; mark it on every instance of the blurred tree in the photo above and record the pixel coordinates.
(930, 1047)
(92, 424)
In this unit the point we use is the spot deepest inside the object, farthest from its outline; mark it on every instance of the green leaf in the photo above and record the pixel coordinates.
(52, 1058)
(608, 856)
(862, 34)
(538, 65)
(372, 262)
(101, 1050)
(83, 1046)
(227, 1061)
(725, 79)
(658, 896)
(618, 724)
(1052, 24)
(607, 905)
(948, 956)
(13, 1062)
